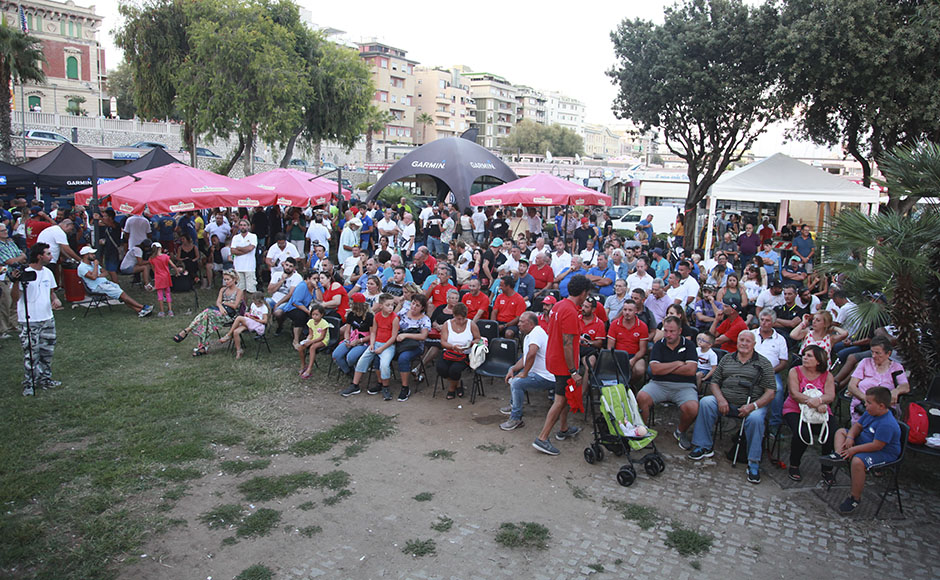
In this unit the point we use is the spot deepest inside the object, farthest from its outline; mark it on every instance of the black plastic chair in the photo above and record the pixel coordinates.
(96, 299)
(334, 337)
(261, 339)
(489, 329)
(891, 483)
(501, 356)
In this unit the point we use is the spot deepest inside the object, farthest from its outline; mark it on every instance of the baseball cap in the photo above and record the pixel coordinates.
(549, 300)
(657, 251)
(87, 250)
(584, 220)
(496, 242)
(358, 297)
(355, 222)
(775, 284)
(521, 260)
(795, 259)
(156, 245)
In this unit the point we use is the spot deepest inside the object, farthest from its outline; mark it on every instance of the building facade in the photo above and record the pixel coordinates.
(495, 101)
(565, 111)
(394, 79)
(75, 67)
(442, 94)
(600, 142)
(531, 105)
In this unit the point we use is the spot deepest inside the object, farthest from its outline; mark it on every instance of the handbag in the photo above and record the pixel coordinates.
(408, 344)
(455, 356)
(811, 416)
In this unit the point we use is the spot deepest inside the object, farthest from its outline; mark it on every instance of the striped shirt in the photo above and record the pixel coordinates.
(9, 250)
(738, 380)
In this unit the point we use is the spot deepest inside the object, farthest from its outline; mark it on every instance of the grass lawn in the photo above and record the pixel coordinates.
(87, 470)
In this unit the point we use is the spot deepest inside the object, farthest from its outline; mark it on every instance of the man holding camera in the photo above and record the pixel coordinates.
(37, 333)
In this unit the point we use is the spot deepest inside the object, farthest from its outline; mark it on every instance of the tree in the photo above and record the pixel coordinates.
(530, 137)
(75, 106)
(122, 87)
(703, 79)
(862, 74)
(20, 58)
(375, 121)
(424, 120)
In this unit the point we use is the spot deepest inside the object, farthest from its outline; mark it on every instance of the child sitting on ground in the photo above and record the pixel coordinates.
(317, 339)
(870, 443)
(254, 321)
(707, 359)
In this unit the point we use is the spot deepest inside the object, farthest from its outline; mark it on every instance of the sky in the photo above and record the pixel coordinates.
(567, 49)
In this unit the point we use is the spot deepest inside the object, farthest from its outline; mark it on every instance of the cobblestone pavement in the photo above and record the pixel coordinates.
(759, 531)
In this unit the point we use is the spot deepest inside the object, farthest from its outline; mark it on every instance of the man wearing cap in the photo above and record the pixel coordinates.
(582, 235)
(348, 240)
(478, 304)
(659, 265)
(794, 273)
(726, 327)
(770, 297)
(603, 276)
(96, 281)
(243, 256)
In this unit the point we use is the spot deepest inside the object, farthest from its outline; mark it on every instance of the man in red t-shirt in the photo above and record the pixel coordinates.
(478, 304)
(37, 222)
(437, 291)
(593, 333)
(547, 305)
(726, 327)
(629, 334)
(562, 359)
(508, 307)
(541, 271)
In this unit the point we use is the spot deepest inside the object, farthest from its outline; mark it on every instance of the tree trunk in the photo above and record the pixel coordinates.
(6, 127)
(249, 151)
(909, 316)
(368, 146)
(227, 167)
(317, 164)
(189, 138)
(289, 149)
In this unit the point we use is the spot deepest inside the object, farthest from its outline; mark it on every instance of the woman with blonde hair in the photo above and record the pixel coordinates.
(818, 330)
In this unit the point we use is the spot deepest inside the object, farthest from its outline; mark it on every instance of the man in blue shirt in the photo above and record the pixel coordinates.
(659, 264)
(646, 226)
(770, 258)
(525, 284)
(566, 276)
(296, 305)
(805, 248)
(603, 276)
(164, 227)
(365, 232)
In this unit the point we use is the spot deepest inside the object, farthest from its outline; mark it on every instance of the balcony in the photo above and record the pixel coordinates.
(441, 98)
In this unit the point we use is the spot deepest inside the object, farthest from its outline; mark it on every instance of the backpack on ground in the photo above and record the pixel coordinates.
(919, 423)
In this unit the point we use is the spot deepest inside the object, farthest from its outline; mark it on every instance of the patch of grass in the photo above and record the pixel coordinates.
(179, 473)
(357, 428)
(307, 506)
(424, 496)
(596, 567)
(333, 480)
(310, 531)
(696, 564)
(175, 494)
(335, 499)
(263, 488)
(222, 516)
(256, 572)
(646, 517)
(688, 542)
(441, 454)
(229, 541)
(579, 492)
(237, 466)
(263, 446)
(618, 561)
(259, 523)
(350, 451)
(420, 548)
(523, 535)
(443, 524)
(494, 448)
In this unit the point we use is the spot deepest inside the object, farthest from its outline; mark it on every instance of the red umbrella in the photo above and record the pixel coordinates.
(538, 190)
(175, 188)
(296, 188)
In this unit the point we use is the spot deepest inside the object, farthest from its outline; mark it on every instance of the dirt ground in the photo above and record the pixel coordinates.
(758, 530)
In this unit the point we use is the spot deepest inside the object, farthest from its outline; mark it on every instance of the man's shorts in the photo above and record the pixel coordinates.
(127, 271)
(876, 458)
(561, 383)
(110, 289)
(678, 393)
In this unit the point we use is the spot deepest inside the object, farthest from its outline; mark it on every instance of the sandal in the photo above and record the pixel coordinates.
(199, 351)
(239, 353)
(225, 338)
(460, 392)
(451, 395)
(794, 473)
(829, 478)
(305, 375)
(180, 336)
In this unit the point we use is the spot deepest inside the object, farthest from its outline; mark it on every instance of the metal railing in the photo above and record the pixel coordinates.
(100, 123)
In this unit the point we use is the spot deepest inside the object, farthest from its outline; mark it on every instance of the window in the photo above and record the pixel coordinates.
(383, 62)
(71, 67)
(34, 101)
(394, 99)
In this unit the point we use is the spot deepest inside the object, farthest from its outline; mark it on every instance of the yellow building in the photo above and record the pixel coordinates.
(441, 94)
(394, 79)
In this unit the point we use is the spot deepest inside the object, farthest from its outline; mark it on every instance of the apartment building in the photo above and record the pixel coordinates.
(74, 67)
(531, 105)
(495, 101)
(394, 79)
(565, 111)
(600, 142)
(444, 96)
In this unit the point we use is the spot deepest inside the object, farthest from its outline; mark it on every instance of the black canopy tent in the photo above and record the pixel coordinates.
(156, 157)
(14, 178)
(68, 168)
(453, 162)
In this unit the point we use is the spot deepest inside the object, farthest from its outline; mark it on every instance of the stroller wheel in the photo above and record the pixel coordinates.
(660, 463)
(589, 455)
(651, 467)
(598, 451)
(626, 476)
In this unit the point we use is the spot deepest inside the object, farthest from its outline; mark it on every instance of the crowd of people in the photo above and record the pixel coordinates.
(743, 333)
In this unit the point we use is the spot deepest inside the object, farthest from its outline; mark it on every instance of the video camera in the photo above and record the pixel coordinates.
(20, 273)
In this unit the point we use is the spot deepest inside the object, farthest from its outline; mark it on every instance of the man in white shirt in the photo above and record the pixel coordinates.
(408, 233)
(640, 278)
(136, 228)
(56, 237)
(806, 299)
(281, 286)
(561, 260)
(770, 297)
(511, 265)
(479, 225)
(279, 252)
(540, 248)
(317, 233)
(217, 227)
(243, 256)
(678, 293)
(688, 280)
(534, 221)
(529, 372)
(389, 228)
(349, 239)
(773, 346)
(353, 265)
(39, 343)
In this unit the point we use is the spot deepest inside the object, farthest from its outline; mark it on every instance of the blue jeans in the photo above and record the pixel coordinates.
(518, 388)
(842, 351)
(345, 356)
(435, 246)
(708, 415)
(776, 407)
(406, 358)
(385, 361)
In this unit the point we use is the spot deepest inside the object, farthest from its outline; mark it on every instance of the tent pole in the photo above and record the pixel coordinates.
(712, 206)
(565, 234)
(94, 202)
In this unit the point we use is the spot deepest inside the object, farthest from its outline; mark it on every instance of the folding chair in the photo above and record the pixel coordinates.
(891, 483)
(499, 359)
(333, 340)
(96, 299)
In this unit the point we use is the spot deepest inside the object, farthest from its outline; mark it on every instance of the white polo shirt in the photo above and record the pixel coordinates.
(53, 235)
(244, 262)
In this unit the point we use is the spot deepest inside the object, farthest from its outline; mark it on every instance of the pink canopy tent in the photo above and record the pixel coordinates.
(296, 188)
(540, 190)
(175, 188)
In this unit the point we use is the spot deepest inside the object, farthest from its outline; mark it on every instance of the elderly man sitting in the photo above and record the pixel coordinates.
(742, 386)
(96, 281)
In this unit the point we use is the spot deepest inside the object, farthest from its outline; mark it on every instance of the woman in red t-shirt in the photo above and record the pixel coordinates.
(332, 295)
(382, 338)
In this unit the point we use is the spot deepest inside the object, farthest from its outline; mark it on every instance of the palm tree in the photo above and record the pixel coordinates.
(376, 120)
(890, 253)
(20, 55)
(425, 120)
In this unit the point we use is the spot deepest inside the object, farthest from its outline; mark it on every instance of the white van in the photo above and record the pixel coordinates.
(664, 217)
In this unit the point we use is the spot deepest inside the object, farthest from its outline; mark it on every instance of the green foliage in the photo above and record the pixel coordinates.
(259, 523)
(688, 542)
(644, 516)
(256, 572)
(20, 59)
(121, 86)
(355, 428)
(523, 535)
(420, 548)
(75, 106)
(531, 137)
(702, 78)
(596, 567)
(263, 488)
(307, 506)
(862, 74)
(443, 524)
(237, 466)
(444, 454)
(578, 492)
(494, 448)
(310, 531)
(424, 496)
(338, 497)
(910, 174)
(179, 473)
(222, 516)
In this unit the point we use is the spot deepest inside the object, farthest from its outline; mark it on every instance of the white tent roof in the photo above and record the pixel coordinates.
(779, 178)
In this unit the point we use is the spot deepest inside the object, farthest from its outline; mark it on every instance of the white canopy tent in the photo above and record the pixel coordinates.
(780, 178)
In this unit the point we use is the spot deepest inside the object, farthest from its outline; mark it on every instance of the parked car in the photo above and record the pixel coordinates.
(327, 166)
(346, 183)
(47, 136)
(664, 217)
(617, 211)
(147, 145)
(299, 164)
(202, 152)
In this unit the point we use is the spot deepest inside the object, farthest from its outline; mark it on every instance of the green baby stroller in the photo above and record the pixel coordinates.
(619, 428)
